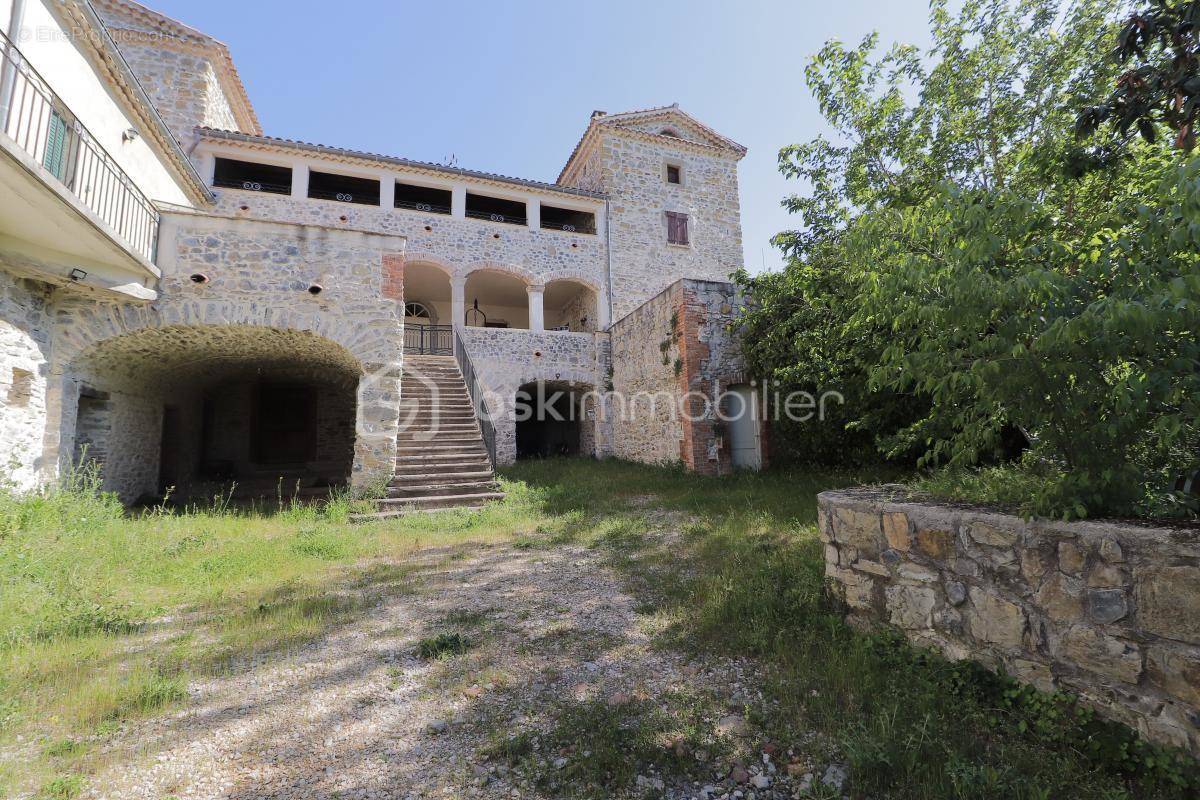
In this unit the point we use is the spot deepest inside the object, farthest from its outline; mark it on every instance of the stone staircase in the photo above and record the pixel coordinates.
(441, 460)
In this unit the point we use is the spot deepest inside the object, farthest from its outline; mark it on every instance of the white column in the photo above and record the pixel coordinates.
(458, 201)
(458, 301)
(299, 181)
(387, 192)
(533, 212)
(537, 316)
(208, 168)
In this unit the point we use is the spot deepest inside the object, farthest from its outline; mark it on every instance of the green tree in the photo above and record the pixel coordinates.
(1161, 88)
(988, 106)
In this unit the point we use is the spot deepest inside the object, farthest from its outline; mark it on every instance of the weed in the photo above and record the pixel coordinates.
(442, 646)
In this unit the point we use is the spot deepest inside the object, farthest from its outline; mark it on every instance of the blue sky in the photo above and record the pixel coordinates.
(509, 86)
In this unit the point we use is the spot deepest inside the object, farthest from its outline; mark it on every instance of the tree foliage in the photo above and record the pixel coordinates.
(1162, 86)
(966, 282)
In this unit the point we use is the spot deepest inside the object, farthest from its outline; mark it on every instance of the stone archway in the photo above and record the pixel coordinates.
(337, 411)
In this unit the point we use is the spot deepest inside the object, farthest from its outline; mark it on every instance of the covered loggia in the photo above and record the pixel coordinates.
(554, 418)
(496, 299)
(428, 310)
(197, 410)
(570, 305)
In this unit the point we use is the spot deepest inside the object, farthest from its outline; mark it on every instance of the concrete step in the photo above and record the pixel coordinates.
(441, 437)
(379, 516)
(405, 451)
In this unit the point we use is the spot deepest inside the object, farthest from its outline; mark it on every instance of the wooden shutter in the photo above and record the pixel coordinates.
(55, 159)
(677, 228)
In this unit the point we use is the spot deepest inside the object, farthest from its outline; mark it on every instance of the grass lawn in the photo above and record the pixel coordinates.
(104, 619)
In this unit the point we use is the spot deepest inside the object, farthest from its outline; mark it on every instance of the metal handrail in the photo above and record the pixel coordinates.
(42, 125)
(251, 186)
(569, 228)
(478, 400)
(428, 340)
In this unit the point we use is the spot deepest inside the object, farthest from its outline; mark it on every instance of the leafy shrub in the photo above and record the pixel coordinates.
(1083, 336)
(442, 645)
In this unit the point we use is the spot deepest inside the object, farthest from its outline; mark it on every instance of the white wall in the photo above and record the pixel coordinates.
(50, 48)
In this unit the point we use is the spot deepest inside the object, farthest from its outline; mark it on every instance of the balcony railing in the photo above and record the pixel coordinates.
(509, 219)
(428, 340)
(428, 208)
(581, 227)
(40, 123)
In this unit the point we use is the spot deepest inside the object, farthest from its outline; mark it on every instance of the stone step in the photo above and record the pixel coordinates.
(439, 490)
(447, 437)
(439, 501)
(379, 516)
(406, 450)
(444, 467)
(434, 476)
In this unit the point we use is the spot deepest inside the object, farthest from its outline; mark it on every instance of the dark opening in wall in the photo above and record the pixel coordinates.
(93, 423)
(565, 219)
(423, 198)
(343, 188)
(496, 209)
(549, 419)
(231, 174)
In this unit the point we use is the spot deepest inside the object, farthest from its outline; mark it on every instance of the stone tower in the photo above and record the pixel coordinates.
(189, 75)
(673, 190)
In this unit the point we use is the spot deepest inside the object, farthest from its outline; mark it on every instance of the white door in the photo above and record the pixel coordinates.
(743, 412)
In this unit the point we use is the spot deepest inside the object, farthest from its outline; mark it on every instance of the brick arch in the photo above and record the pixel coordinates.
(499, 266)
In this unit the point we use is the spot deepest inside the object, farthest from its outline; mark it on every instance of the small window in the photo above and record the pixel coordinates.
(674, 174)
(674, 134)
(496, 209)
(231, 174)
(677, 228)
(564, 219)
(343, 188)
(417, 310)
(422, 198)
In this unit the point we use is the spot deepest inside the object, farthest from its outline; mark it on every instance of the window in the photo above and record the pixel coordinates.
(417, 310)
(423, 198)
(231, 174)
(677, 228)
(674, 134)
(343, 188)
(674, 174)
(55, 159)
(565, 219)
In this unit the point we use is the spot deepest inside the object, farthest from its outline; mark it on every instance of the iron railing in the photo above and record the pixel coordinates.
(428, 340)
(428, 208)
(40, 123)
(510, 219)
(251, 186)
(583, 227)
(478, 400)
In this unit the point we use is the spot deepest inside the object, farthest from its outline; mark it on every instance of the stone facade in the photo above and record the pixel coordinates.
(626, 157)
(258, 287)
(505, 360)
(678, 356)
(25, 333)
(1108, 611)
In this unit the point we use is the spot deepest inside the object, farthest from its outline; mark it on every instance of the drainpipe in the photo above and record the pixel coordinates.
(608, 259)
(8, 78)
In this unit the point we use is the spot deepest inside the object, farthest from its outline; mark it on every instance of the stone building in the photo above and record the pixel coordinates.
(188, 302)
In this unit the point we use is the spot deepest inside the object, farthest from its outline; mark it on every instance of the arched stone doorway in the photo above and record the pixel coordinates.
(201, 408)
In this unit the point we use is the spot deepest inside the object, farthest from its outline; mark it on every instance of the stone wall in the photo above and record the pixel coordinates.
(253, 310)
(505, 360)
(673, 358)
(459, 245)
(1108, 611)
(25, 336)
(643, 263)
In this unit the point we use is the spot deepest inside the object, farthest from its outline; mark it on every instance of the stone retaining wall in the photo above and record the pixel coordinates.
(1108, 611)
